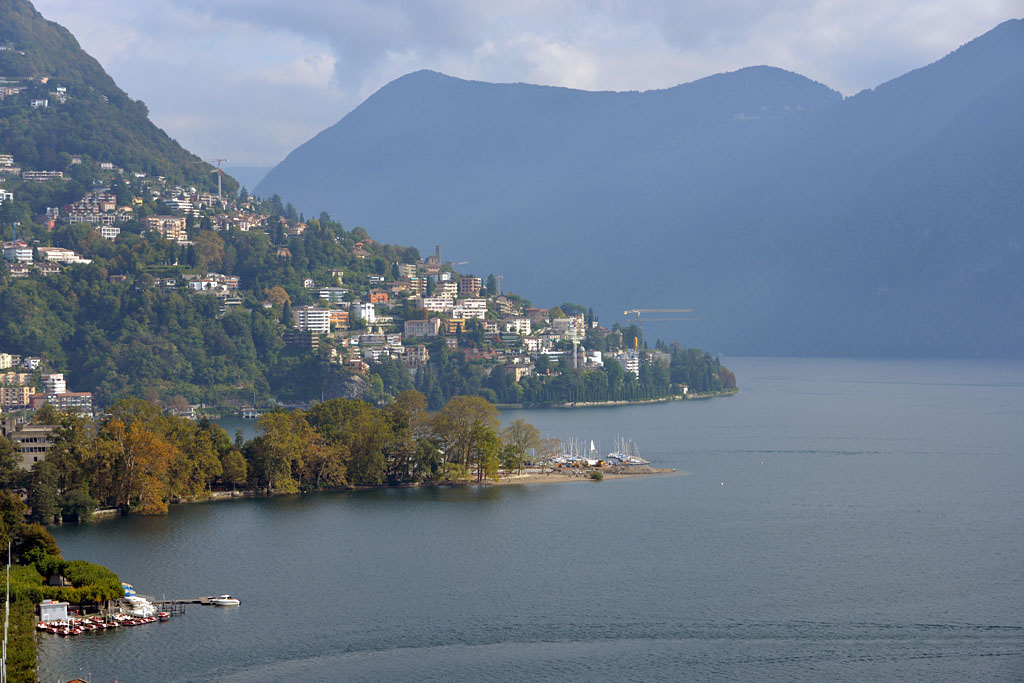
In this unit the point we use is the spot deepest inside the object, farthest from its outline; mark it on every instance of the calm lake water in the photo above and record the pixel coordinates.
(837, 520)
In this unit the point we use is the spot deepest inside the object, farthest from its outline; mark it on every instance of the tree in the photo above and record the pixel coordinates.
(42, 498)
(278, 451)
(234, 469)
(277, 296)
(520, 437)
(10, 471)
(464, 427)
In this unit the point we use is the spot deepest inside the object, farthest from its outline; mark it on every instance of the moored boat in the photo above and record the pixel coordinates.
(225, 601)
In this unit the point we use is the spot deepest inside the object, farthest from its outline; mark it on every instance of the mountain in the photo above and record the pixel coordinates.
(793, 220)
(92, 116)
(247, 176)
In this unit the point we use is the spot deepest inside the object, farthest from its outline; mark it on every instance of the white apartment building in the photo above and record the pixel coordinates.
(364, 311)
(312, 319)
(518, 325)
(446, 290)
(19, 252)
(54, 384)
(334, 295)
(434, 304)
(470, 308)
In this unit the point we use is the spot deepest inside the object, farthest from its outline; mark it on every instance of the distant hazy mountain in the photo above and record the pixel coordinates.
(248, 176)
(97, 118)
(791, 219)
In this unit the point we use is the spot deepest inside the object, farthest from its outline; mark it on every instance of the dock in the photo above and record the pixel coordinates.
(178, 606)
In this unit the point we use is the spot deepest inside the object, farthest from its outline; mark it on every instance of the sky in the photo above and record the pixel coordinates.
(250, 80)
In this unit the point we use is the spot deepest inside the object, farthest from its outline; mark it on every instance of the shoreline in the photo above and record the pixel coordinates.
(554, 476)
(612, 404)
(557, 477)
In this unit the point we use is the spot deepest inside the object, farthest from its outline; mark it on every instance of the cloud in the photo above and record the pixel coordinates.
(251, 79)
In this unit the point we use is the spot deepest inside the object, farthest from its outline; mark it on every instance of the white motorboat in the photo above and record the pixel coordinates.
(137, 607)
(225, 601)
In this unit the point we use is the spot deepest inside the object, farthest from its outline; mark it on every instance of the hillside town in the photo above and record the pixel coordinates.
(385, 318)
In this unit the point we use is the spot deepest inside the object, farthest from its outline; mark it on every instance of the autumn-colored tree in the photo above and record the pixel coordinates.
(278, 297)
(463, 426)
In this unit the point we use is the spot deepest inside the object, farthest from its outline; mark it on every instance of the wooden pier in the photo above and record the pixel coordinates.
(178, 606)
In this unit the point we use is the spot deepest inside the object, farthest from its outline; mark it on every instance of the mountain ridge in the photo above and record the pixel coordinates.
(749, 195)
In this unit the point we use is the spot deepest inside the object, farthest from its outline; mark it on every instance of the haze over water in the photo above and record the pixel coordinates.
(837, 520)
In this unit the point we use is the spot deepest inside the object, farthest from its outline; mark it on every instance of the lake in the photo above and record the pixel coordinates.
(837, 520)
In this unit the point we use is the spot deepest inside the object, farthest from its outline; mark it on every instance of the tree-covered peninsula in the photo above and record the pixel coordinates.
(137, 458)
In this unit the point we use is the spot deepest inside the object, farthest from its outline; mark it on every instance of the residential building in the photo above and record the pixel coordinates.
(178, 204)
(39, 176)
(573, 327)
(517, 372)
(32, 442)
(334, 295)
(108, 232)
(377, 296)
(54, 384)
(19, 270)
(366, 312)
(470, 308)
(12, 378)
(375, 353)
(306, 339)
(537, 315)
(630, 361)
(168, 227)
(5, 361)
(19, 252)
(518, 325)
(68, 401)
(470, 285)
(312, 319)
(422, 328)
(446, 290)
(416, 357)
(339, 319)
(407, 271)
(507, 306)
(372, 340)
(15, 397)
(453, 325)
(61, 255)
(433, 304)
